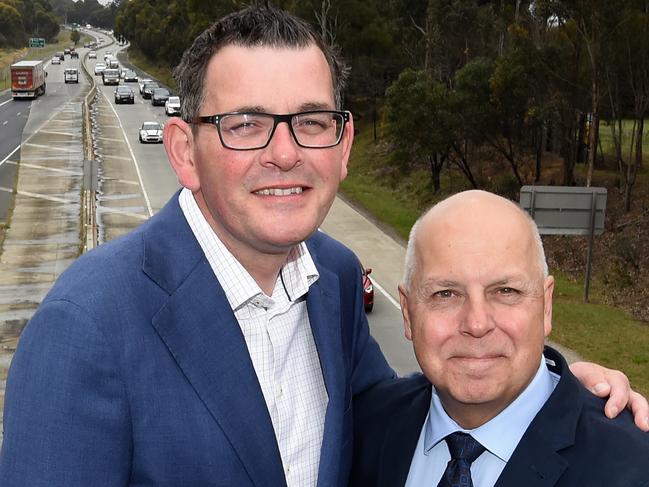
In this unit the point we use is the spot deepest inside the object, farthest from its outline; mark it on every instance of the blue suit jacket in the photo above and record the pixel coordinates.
(570, 443)
(134, 371)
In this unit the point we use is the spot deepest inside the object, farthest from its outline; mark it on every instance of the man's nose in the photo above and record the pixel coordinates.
(476, 319)
(282, 150)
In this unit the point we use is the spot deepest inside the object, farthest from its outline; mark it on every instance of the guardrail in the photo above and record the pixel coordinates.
(89, 193)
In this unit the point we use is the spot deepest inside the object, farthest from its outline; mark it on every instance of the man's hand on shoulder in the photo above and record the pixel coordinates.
(604, 382)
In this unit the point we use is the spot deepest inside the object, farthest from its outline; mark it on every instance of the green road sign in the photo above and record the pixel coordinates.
(36, 42)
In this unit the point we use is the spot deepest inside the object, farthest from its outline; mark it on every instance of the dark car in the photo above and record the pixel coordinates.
(130, 76)
(124, 94)
(74, 53)
(368, 289)
(147, 90)
(160, 96)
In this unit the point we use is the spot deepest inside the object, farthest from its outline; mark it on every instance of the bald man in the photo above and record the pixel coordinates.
(490, 409)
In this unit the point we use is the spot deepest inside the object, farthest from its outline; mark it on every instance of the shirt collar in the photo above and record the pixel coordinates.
(501, 434)
(297, 274)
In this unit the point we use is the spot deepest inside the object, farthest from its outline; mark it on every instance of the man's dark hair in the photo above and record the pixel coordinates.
(251, 27)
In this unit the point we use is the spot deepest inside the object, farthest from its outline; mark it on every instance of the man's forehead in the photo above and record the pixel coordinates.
(272, 79)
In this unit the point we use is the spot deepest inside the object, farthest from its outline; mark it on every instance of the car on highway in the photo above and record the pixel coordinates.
(159, 96)
(56, 60)
(124, 94)
(130, 76)
(92, 55)
(142, 82)
(99, 68)
(147, 91)
(172, 106)
(368, 289)
(60, 55)
(73, 53)
(66, 51)
(71, 75)
(112, 63)
(110, 76)
(107, 54)
(151, 132)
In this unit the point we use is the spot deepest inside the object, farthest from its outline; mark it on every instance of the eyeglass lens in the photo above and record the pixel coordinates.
(251, 130)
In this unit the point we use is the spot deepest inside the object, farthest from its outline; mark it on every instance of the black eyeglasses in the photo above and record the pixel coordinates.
(316, 129)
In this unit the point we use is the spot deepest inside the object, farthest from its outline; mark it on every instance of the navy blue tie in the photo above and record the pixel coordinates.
(464, 450)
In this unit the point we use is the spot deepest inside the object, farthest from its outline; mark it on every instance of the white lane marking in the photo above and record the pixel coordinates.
(64, 149)
(5, 102)
(57, 133)
(387, 295)
(109, 139)
(5, 122)
(130, 149)
(10, 154)
(45, 168)
(18, 114)
(117, 211)
(109, 156)
(41, 196)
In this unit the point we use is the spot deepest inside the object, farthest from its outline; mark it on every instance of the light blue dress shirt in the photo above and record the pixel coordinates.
(499, 436)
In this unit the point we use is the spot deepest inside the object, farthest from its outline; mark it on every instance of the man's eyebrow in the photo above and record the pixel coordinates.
(305, 107)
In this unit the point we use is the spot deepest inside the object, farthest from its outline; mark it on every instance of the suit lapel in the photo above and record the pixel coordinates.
(401, 440)
(537, 460)
(323, 304)
(203, 336)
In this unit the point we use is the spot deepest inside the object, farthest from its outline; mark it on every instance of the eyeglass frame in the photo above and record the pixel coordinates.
(277, 119)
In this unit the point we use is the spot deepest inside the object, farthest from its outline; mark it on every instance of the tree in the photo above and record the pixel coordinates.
(75, 36)
(418, 122)
(11, 26)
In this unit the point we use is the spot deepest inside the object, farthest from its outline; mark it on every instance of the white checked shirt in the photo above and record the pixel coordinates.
(280, 343)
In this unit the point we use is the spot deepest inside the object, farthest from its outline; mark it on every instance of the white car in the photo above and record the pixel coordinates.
(142, 82)
(172, 106)
(100, 68)
(151, 132)
(92, 55)
(56, 60)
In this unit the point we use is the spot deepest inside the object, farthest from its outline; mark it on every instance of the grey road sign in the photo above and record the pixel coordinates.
(567, 210)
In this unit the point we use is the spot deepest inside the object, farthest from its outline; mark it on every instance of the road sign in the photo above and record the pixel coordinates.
(567, 210)
(36, 42)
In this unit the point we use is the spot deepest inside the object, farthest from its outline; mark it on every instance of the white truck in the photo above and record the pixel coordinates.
(28, 79)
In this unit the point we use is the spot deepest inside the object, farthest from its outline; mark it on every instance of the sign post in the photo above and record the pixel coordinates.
(36, 42)
(567, 210)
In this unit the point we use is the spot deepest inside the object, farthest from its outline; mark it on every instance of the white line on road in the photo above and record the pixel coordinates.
(45, 168)
(387, 295)
(58, 133)
(5, 102)
(10, 154)
(64, 149)
(40, 196)
(5, 122)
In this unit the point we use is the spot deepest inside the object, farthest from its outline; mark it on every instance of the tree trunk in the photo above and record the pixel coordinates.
(638, 141)
(594, 127)
(435, 170)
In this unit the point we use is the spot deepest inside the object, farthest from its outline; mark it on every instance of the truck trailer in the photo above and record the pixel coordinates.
(28, 79)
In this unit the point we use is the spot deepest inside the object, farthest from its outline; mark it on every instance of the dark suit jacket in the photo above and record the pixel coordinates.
(134, 371)
(570, 443)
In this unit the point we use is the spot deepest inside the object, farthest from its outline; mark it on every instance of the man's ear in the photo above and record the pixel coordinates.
(178, 140)
(548, 291)
(403, 299)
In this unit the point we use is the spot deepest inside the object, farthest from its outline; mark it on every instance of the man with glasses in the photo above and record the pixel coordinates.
(221, 342)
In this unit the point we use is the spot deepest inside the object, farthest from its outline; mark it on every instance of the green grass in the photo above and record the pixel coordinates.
(606, 138)
(597, 332)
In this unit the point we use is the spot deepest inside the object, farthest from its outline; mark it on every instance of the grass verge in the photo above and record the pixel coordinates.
(161, 72)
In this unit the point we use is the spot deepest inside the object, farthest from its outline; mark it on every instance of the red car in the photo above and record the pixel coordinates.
(368, 289)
